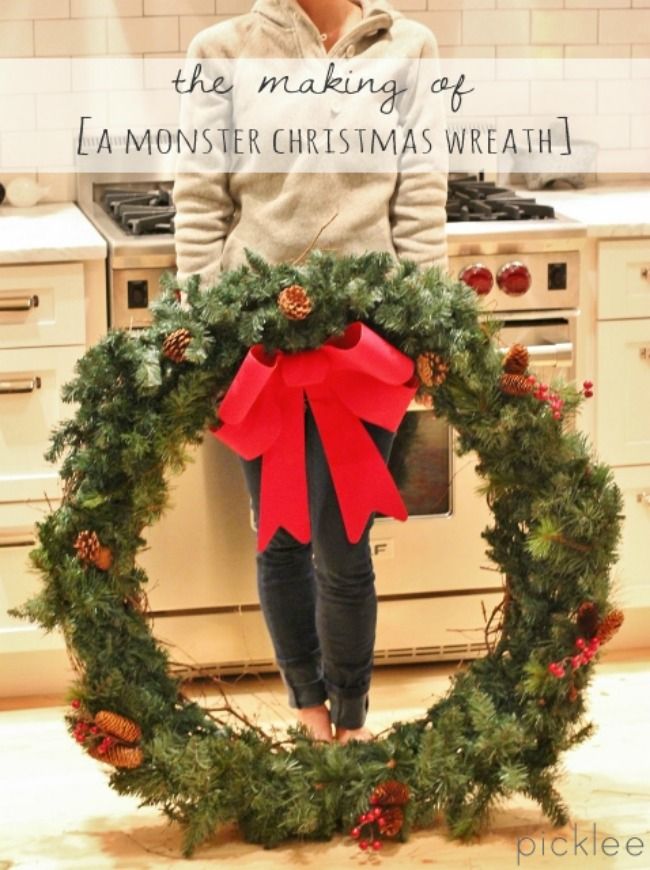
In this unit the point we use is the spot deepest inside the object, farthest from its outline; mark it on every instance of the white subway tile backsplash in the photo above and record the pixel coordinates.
(16, 38)
(531, 4)
(565, 26)
(192, 24)
(599, 4)
(105, 8)
(624, 26)
(138, 35)
(75, 37)
(235, 7)
(462, 4)
(446, 25)
(578, 28)
(566, 98)
(502, 27)
(171, 7)
(599, 51)
(406, 5)
(14, 10)
(18, 111)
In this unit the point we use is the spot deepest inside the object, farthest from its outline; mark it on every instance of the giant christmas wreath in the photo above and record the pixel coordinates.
(506, 718)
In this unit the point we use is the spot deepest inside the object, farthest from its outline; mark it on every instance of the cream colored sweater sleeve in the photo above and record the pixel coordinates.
(418, 206)
(204, 207)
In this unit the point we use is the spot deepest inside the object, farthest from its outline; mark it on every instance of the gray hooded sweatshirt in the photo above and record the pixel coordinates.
(278, 215)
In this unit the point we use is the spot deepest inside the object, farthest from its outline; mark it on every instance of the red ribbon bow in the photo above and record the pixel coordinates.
(356, 376)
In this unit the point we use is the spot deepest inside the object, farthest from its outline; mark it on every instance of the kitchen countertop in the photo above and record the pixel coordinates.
(60, 232)
(57, 232)
(607, 211)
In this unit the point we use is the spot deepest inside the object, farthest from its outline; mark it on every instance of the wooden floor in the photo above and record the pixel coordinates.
(56, 810)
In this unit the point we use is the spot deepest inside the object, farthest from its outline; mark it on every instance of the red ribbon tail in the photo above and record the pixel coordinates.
(362, 481)
(284, 498)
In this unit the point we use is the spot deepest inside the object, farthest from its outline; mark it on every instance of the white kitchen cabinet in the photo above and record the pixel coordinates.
(42, 305)
(32, 661)
(623, 412)
(631, 575)
(624, 279)
(19, 580)
(623, 417)
(48, 314)
(31, 380)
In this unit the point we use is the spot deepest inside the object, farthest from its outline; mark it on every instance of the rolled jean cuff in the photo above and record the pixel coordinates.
(305, 694)
(348, 712)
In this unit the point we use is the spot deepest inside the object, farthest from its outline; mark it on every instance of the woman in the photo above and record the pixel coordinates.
(320, 611)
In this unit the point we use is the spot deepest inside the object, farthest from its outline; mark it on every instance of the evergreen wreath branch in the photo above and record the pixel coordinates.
(504, 720)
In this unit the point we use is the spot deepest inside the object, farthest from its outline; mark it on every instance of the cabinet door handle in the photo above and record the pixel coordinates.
(645, 273)
(18, 303)
(643, 498)
(19, 385)
(17, 538)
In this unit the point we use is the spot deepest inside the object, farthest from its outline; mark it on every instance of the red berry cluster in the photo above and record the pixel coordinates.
(374, 822)
(588, 390)
(543, 393)
(586, 651)
(84, 730)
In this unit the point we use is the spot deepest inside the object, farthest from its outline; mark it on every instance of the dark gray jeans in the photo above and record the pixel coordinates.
(319, 599)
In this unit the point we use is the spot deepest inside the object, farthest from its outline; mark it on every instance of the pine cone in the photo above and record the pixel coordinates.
(120, 756)
(390, 792)
(87, 546)
(104, 559)
(516, 360)
(175, 345)
(392, 821)
(516, 385)
(588, 619)
(431, 368)
(610, 625)
(118, 726)
(294, 302)
(90, 550)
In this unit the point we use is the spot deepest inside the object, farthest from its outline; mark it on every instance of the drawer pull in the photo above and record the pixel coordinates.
(645, 273)
(559, 354)
(17, 539)
(18, 303)
(20, 385)
(643, 498)
(644, 353)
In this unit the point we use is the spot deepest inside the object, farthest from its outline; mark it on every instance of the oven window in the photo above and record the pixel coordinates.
(420, 462)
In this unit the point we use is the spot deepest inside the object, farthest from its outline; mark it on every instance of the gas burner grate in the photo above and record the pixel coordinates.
(140, 212)
(471, 199)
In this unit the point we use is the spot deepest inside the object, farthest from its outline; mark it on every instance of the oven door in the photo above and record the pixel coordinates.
(439, 548)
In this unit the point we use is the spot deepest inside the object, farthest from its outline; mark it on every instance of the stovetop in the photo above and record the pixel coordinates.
(151, 211)
(472, 199)
(136, 216)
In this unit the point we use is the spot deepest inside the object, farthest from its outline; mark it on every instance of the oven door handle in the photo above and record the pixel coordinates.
(560, 354)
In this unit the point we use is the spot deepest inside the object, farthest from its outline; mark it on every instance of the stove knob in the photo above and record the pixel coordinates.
(514, 278)
(478, 277)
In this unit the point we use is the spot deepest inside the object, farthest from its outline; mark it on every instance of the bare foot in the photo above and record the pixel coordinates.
(317, 720)
(343, 735)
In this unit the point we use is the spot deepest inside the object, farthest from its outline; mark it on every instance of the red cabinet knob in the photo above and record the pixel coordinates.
(514, 278)
(478, 277)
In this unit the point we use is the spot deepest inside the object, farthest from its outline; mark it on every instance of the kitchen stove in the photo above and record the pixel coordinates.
(434, 581)
(136, 216)
(472, 199)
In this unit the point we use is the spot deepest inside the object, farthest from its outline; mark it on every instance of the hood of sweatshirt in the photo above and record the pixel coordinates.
(377, 14)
